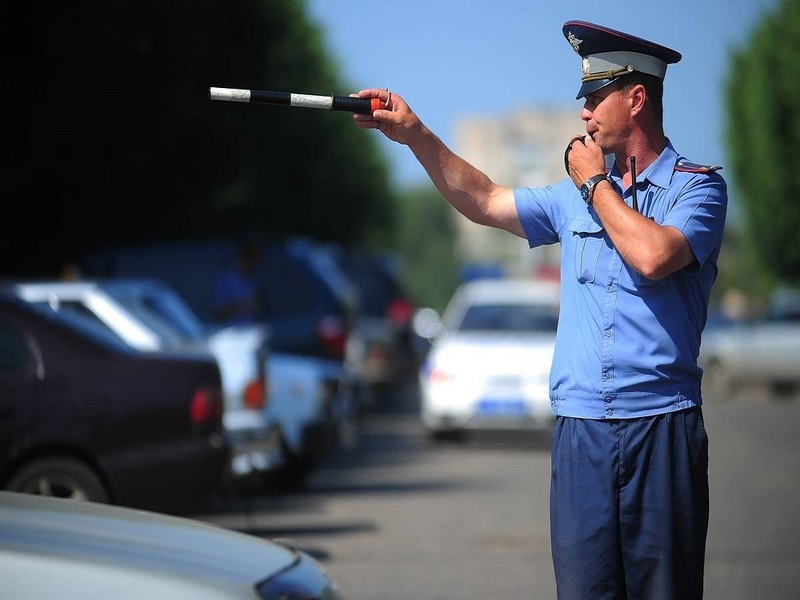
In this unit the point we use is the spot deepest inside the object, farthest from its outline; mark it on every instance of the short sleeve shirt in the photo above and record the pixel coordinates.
(627, 346)
(234, 288)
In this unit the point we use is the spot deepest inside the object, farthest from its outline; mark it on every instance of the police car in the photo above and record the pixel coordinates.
(489, 364)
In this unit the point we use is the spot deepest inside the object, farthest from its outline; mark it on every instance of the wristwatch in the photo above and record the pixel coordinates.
(587, 188)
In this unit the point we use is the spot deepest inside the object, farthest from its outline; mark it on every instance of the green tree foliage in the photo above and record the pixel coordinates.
(111, 137)
(426, 239)
(763, 135)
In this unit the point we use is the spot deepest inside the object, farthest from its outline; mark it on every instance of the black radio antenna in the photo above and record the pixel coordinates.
(635, 203)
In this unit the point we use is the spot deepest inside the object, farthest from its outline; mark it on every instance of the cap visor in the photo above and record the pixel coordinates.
(591, 87)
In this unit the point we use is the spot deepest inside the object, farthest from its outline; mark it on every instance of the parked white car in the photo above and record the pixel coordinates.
(307, 305)
(315, 407)
(307, 400)
(489, 364)
(59, 548)
(150, 316)
(303, 398)
(762, 352)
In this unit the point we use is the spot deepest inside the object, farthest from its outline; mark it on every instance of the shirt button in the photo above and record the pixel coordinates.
(608, 333)
(609, 413)
(607, 399)
(610, 288)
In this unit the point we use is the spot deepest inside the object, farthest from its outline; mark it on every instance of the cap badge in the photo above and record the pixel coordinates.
(574, 42)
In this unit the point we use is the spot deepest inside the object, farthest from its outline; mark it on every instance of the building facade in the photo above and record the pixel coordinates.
(524, 148)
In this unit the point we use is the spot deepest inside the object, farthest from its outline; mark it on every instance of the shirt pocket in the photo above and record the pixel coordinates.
(588, 240)
(631, 279)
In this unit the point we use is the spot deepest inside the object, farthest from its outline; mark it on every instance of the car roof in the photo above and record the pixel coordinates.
(117, 318)
(192, 266)
(501, 291)
(65, 323)
(142, 543)
(35, 290)
(507, 291)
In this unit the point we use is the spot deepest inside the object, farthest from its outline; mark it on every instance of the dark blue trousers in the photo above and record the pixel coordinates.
(629, 507)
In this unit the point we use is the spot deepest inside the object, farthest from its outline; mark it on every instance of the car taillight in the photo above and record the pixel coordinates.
(400, 311)
(206, 408)
(256, 394)
(332, 332)
(439, 375)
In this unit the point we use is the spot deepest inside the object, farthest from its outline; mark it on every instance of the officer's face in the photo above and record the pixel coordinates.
(607, 113)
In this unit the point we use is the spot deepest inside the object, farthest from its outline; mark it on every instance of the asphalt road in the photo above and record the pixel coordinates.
(398, 517)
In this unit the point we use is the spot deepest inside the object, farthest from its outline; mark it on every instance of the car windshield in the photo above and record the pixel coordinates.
(510, 317)
(76, 316)
(162, 309)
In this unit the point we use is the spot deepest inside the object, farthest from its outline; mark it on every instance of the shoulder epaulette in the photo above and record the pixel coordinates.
(689, 167)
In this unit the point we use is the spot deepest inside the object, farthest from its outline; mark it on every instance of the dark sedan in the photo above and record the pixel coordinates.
(83, 415)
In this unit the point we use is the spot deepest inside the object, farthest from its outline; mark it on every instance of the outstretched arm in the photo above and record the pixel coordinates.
(465, 187)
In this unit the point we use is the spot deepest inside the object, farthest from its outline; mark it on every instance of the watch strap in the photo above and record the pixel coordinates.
(591, 183)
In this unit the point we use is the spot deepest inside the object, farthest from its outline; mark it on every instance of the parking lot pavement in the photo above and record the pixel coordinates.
(397, 517)
(753, 548)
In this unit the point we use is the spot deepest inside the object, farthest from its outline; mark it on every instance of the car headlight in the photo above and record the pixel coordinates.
(304, 579)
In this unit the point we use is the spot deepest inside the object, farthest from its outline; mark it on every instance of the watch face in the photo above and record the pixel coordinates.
(585, 192)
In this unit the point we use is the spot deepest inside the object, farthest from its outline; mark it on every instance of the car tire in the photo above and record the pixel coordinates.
(783, 389)
(437, 436)
(62, 477)
(294, 474)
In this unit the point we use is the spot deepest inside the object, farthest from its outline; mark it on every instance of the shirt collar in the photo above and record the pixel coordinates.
(660, 172)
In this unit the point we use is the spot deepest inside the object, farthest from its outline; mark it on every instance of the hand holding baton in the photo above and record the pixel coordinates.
(364, 106)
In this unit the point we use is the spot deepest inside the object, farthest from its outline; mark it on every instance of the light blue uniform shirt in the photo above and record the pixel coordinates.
(627, 346)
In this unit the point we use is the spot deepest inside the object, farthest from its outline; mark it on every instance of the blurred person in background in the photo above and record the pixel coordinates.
(236, 299)
(629, 497)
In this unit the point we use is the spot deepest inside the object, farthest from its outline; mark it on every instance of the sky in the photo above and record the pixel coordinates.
(451, 59)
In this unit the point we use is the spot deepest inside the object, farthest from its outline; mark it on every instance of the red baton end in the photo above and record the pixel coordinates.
(376, 104)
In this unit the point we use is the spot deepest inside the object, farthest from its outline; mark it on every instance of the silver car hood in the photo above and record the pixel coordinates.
(141, 543)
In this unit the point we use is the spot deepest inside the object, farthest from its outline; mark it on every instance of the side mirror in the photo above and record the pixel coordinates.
(427, 324)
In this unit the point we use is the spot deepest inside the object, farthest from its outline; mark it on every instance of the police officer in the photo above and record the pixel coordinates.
(629, 487)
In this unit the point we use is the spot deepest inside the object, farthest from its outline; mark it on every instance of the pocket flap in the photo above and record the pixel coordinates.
(584, 226)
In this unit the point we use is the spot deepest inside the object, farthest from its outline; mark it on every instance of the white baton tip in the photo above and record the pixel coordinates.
(229, 94)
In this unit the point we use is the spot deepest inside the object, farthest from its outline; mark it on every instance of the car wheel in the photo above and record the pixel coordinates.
(293, 476)
(60, 477)
(446, 435)
(783, 389)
